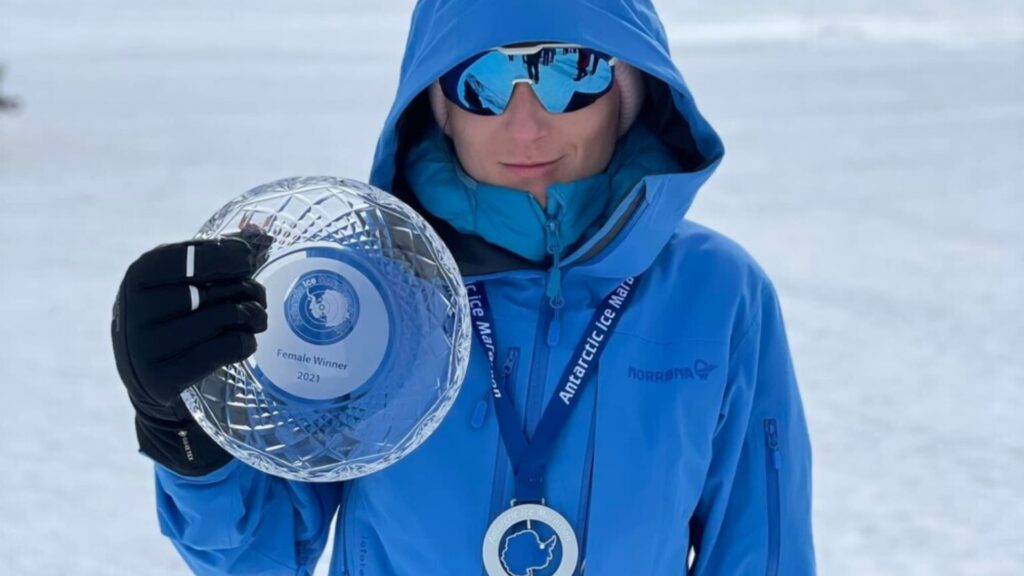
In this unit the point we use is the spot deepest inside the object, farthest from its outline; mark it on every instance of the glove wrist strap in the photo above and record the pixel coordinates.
(181, 446)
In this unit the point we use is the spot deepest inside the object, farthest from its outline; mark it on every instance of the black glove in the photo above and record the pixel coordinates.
(184, 310)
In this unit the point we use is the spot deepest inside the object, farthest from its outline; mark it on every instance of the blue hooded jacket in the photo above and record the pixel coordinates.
(691, 433)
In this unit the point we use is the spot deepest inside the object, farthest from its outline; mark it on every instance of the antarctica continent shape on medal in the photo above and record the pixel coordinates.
(524, 553)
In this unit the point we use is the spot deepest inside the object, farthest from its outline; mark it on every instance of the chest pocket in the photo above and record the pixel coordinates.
(667, 394)
(657, 409)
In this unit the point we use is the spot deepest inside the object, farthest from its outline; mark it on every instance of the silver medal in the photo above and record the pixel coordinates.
(519, 551)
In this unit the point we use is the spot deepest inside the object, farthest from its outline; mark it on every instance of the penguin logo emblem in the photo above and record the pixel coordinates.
(322, 307)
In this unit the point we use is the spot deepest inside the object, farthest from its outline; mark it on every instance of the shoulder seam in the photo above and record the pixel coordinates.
(753, 322)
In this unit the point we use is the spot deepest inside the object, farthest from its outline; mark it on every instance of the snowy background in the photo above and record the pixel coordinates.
(874, 166)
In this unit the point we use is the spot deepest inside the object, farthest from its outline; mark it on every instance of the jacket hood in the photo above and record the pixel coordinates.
(443, 33)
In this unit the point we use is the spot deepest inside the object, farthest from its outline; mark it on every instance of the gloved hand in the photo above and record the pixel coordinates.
(183, 310)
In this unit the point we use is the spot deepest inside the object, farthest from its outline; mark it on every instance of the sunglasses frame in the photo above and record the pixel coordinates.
(533, 49)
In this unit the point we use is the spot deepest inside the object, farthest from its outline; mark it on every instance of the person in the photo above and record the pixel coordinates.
(686, 448)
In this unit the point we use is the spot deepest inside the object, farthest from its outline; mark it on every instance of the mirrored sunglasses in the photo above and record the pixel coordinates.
(564, 77)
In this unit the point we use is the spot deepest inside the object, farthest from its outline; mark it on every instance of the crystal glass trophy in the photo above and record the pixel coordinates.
(368, 333)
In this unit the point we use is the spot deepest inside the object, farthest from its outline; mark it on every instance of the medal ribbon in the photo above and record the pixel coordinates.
(530, 457)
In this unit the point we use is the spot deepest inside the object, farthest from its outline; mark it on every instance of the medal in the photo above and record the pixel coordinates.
(546, 540)
(530, 537)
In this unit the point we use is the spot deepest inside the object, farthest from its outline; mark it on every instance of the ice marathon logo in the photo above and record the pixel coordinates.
(322, 307)
(701, 369)
(527, 553)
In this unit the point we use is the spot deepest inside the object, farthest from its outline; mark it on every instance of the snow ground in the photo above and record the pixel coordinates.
(870, 169)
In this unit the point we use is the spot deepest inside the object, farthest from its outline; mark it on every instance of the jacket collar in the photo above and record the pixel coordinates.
(512, 218)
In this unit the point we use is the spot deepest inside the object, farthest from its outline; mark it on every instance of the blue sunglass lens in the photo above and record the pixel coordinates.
(564, 79)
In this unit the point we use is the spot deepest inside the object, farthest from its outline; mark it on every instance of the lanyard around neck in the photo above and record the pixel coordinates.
(530, 456)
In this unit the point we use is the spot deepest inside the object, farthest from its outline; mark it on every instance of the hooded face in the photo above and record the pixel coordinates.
(675, 153)
(529, 148)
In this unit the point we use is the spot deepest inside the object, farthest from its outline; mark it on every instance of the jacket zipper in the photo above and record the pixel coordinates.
(538, 371)
(501, 463)
(773, 462)
(588, 477)
(342, 531)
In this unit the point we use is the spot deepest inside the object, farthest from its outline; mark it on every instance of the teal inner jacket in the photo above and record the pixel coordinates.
(512, 218)
(688, 451)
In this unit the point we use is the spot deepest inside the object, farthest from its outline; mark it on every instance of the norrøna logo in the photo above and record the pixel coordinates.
(700, 369)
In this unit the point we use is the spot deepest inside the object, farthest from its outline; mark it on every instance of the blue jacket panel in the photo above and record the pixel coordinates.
(691, 434)
(238, 520)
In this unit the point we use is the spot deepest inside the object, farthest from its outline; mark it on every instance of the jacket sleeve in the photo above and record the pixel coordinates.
(754, 514)
(239, 520)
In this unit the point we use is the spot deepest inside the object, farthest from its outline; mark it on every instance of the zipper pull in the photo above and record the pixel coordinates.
(555, 328)
(554, 237)
(476, 421)
(554, 247)
(482, 408)
(554, 285)
(510, 362)
(772, 438)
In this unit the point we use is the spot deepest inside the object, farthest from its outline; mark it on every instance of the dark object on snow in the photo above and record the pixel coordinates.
(6, 102)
